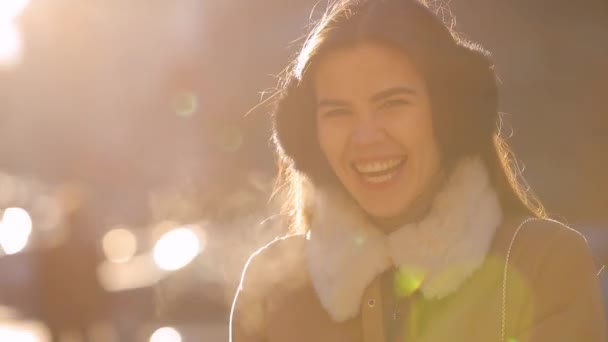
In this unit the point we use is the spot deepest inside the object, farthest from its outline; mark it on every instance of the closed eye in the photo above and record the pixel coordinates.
(336, 113)
(395, 103)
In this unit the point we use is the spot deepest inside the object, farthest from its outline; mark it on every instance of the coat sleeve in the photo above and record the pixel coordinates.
(566, 304)
(248, 308)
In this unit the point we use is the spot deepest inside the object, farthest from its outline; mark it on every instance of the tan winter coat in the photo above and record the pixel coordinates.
(467, 272)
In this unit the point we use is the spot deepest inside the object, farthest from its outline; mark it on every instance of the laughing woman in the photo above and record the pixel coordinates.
(410, 223)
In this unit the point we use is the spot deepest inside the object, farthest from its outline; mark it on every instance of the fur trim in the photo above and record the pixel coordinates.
(345, 251)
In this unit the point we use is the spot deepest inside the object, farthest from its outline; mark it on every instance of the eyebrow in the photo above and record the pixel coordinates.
(375, 98)
(332, 103)
(391, 92)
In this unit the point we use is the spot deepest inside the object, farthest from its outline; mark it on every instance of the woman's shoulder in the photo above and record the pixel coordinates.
(280, 251)
(553, 274)
(544, 235)
(270, 271)
(544, 227)
(538, 243)
(275, 263)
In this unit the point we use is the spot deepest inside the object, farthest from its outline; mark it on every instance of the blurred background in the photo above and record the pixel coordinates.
(133, 186)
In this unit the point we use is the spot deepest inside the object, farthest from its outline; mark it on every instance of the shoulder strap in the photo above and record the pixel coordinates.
(504, 280)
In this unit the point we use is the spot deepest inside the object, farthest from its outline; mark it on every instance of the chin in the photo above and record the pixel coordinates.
(379, 211)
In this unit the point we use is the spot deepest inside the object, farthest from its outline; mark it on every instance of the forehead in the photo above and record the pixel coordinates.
(365, 67)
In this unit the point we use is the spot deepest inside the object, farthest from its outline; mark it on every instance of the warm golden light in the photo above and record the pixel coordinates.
(22, 333)
(10, 9)
(137, 273)
(15, 230)
(119, 245)
(13, 335)
(176, 249)
(10, 44)
(10, 39)
(166, 334)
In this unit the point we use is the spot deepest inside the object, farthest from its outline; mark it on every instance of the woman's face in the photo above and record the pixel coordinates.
(375, 126)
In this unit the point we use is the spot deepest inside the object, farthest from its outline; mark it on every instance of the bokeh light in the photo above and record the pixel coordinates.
(16, 334)
(166, 334)
(15, 230)
(10, 43)
(185, 103)
(139, 272)
(176, 249)
(119, 245)
(10, 9)
(407, 281)
(10, 38)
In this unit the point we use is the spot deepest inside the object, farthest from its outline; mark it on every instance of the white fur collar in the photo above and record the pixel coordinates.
(345, 252)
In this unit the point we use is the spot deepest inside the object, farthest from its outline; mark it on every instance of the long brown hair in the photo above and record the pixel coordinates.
(461, 83)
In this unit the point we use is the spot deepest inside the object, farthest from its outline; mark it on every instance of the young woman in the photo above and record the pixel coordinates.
(409, 222)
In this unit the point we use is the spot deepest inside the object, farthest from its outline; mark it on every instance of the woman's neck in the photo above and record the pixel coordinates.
(415, 212)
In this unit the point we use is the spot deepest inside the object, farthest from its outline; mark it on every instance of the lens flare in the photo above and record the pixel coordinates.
(407, 281)
(176, 249)
(166, 334)
(18, 334)
(119, 245)
(185, 104)
(10, 44)
(15, 230)
(11, 9)
(10, 38)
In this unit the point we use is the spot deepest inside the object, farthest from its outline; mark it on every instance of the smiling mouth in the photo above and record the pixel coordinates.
(379, 171)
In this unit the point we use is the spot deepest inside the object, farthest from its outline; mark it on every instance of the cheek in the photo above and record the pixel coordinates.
(426, 135)
(414, 130)
(328, 146)
(427, 132)
(426, 146)
(332, 140)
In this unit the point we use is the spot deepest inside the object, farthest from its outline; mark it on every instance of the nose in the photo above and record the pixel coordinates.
(367, 131)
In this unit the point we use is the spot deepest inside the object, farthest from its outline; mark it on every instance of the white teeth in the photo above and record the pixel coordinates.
(377, 166)
(379, 179)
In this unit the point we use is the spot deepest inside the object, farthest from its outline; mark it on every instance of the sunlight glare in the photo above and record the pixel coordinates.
(166, 334)
(10, 38)
(11, 9)
(176, 249)
(15, 334)
(10, 44)
(15, 230)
